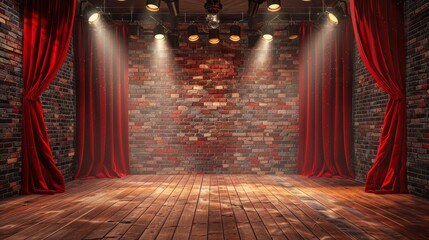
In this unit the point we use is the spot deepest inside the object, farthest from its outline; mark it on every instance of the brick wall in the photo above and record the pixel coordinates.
(11, 85)
(213, 109)
(417, 20)
(58, 102)
(370, 102)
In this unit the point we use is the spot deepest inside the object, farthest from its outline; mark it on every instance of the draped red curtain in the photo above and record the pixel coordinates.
(325, 80)
(102, 104)
(48, 27)
(380, 38)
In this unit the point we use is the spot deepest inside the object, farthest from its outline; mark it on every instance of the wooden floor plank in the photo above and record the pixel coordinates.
(184, 225)
(229, 222)
(258, 227)
(152, 189)
(215, 207)
(361, 221)
(266, 199)
(368, 205)
(251, 191)
(152, 230)
(41, 214)
(170, 225)
(140, 225)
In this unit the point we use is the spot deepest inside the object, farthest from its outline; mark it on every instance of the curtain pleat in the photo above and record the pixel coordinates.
(48, 27)
(325, 76)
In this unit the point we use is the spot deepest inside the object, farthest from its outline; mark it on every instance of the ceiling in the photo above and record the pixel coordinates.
(135, 9)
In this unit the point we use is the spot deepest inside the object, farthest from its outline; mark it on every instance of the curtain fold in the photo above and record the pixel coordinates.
(102, 105)
(325, 77)
(48, 27)
(379, 32)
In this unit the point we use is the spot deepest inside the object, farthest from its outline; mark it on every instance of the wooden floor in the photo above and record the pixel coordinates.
(214, 207)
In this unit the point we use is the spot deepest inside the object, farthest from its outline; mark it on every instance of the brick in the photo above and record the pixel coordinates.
(221, 99)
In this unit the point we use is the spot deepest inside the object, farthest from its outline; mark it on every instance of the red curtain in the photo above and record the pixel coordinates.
(379, 33)
(48, 27)
(325, 80)
(102, 103)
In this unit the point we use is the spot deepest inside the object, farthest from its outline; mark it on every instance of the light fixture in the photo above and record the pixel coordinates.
(213, 20)
(235, 33)
(158, 32)
(173, 7)
(89, 12)
(253, 7)
(152, 5)
(267, 34)
(213, 8)
(274, 5)
(214, 36)
(336, 13)
(292, 31)
(193, 33)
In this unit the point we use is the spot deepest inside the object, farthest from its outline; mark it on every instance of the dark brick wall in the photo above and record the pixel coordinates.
(417, 20)
(11, 84)
(370, 102)
(213, 109)
(58, 102)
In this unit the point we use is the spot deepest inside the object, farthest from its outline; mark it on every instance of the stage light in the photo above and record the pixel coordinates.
(337, 13)
(193, 33)
(213, 20)
(273, 5)
(235, 33)
(267, 34)
(292, 31)
(158, 32)
(152, 5)
(214, 36)
(91, 14)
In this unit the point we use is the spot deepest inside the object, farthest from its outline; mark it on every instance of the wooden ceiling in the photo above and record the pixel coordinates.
(136, 8)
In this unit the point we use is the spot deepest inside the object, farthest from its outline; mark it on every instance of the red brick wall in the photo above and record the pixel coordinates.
(370, 102)
(213, 109)
(58, 102)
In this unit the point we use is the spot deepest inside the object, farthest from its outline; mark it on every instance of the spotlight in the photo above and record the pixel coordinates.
(273, 5)
(235, 33)
(214, 36)
(152, 5)
(292, 31)
(213, 20)
(193, 33)
(336, 13)
(90, 13)
(267, 34)
(173, 7)
(158, 32)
